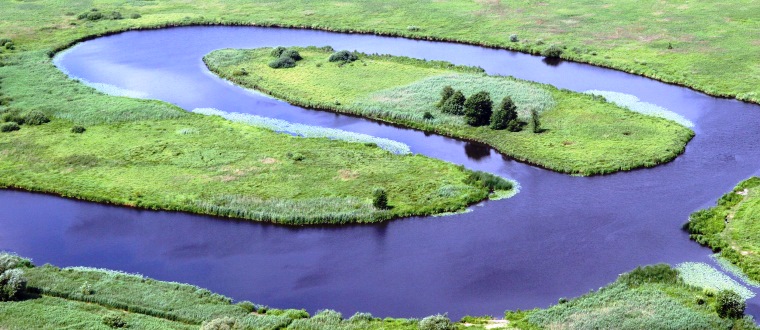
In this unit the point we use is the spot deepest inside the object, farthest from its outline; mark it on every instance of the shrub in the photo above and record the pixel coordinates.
(478, 109)
(730, 305)
(413, 28)
(295, 156)
(277, 51)
(427, 115)
(114, 320)
(505, 116)
(513, 38)
(446, 93)
(488, 181)
(247, 306)
(343, 56)
(380, 198)
(13, 117)
(86, 289)
(10, 261)
(240, 72)
(295, 314)
(552, 51)
(35, 117)
(4, 41)
(328, 316)
(282, 62)
(222, 323)
(12, 284)
(78, 129)
(455, 104)
(135, 16)
(659, 273)
(534, 118)
(116, 15)
(361, 317)
(292, 53)
(436, 322)
(9, 127)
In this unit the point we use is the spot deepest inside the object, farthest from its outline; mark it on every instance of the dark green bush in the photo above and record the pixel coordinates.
(446, 93)
(4, 41)
(247, 306)
(534, 118)
(277, 51)
(436, 322)
(343, 56)
(35, 117)
(488, 181)
(9, 127)
(282, 62)
(478, 109)
(295, 156)
(659, 273)
(12, 117)
(296, 314)
(12, 284)
(427, 115)
(328, 316)
(292, 53)
(361, 317)
(114, 320)
(730, 305)
(240, 72)
(455, 104)
(553, 51)
(380, 198)
(78, 129)
(505, 116)
(222, 323)
(513, 38)
(135, 16)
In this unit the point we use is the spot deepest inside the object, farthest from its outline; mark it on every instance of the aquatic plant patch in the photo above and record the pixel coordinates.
(705, 276)
(634, 104)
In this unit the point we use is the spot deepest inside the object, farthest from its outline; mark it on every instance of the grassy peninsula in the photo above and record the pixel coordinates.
(580, 134)
(732, 228)
(653, 297)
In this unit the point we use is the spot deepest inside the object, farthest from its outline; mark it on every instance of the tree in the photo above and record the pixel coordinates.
(380, 199)
(536, 121)
(478, 109)
(455, 104)
(730, 304)
(446, 93)
(505, 116)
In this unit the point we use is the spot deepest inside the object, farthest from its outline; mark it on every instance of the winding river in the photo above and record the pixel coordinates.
(559, 237)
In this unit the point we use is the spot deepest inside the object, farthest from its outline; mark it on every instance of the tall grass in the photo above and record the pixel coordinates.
(634, 104)
(307, 131)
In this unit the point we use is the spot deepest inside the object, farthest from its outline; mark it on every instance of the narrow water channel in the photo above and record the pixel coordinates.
(559, 237)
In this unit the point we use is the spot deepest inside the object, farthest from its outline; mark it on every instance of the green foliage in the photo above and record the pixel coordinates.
(35, 117)
(552, 51)
(359, 317)
(282, 62)
(535, 120)
(427, 115)
(730, 304)
(488, 181)
(513, 38)
(291, 53)
(247, 306)
(286, 58)
(454, 104)
(659, 273)
(12, 284)
(114, 320)
(277, 51)
(222, 323)
(9, 127)
(135, 16)
(436, 322)
(478, 109)
(78, 129)
(505, 116)
(343, 56)
(446, 93)
(380, 198)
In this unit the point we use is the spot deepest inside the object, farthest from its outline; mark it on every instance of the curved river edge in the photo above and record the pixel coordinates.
(58, 48)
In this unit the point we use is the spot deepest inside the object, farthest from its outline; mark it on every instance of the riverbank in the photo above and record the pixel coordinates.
(578, 134)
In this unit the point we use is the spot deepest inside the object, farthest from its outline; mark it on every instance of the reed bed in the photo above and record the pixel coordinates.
(705, 276)
(634, 104)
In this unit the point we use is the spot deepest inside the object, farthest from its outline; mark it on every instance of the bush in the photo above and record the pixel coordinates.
(247, 306)
(730, 305)
(4, 41)
(12, 117)
(659, 273)
(488, 181)
(10, 261)
(505, 116)
(282, 62)
(343, 56)
(436, 322)
(478, 109)
(240, 72)
(35, 117)
(116, 15)
(328, 316)
(513, 38)
(78, 129)
(135, 16)
(9, 127)
(12, 284)
(114, 320)
(446, 93)
(361, 317)
(380, 198)
(552, 51)
(427, 115)
(292, 53)
(455, 104)
(295, 156)
(534, 118)
(295, 314)
(277, 51)
(413, 28)
(222, 323)
(86, 289)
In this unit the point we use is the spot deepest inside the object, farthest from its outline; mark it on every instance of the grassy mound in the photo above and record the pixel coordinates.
(580, 134)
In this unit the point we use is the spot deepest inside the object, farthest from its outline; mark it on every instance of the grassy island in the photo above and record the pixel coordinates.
(732, 227)
(578, 133)
(652, 297)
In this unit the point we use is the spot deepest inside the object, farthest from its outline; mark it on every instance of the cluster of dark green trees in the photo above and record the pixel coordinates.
(286, 58)
(478, 110)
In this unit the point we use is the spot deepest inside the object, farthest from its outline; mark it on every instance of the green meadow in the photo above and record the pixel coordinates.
(580, 134)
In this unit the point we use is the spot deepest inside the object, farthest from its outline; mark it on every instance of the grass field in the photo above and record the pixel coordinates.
(732, 227)
(582, 135)
(652, 297)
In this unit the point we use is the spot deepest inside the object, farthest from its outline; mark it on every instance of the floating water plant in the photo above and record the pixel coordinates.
(703, 275)
(634, 104)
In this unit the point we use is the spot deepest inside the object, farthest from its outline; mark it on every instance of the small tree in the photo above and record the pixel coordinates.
(12, 284)
(446, 93)
(552, 51)
(536, 121)
(455, 104)
(505, 116)
(478, 109)
(380, 199)
(730, 305)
